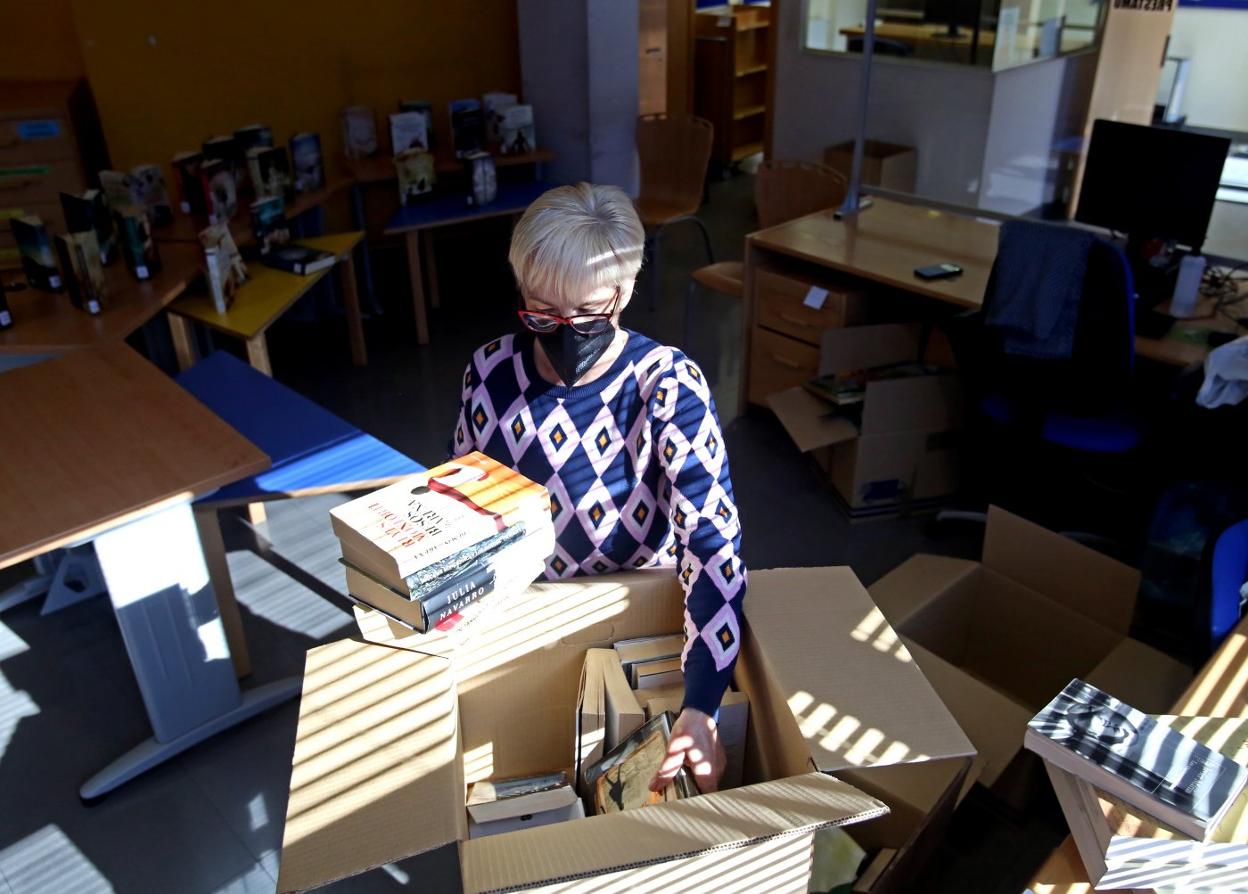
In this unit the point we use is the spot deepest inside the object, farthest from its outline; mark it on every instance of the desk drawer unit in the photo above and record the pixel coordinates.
(780, 306)
(778, 363)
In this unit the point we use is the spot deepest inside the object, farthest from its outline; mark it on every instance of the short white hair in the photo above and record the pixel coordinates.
(575, 240)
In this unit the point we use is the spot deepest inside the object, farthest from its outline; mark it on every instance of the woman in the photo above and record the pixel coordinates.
(624, 434)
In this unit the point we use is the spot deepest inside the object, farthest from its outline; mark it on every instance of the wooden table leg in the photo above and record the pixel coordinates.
(258, 354)
(209, 526)
(351, 302)
(418, 287)
(183, 340)
(431, 265)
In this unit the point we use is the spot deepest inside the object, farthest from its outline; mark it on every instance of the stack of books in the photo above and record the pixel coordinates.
(1152, 802)
(428, 549)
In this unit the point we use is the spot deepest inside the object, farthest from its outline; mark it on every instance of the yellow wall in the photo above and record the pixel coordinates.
(167, 75)
(38, 42)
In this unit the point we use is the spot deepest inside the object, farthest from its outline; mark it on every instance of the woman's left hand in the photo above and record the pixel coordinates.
(694, 742)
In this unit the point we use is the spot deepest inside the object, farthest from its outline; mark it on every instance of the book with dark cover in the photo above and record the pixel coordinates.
(6, 315)
(504, 798)
(188, 171)
(134, 238)
(245, 139)
(516, 133)
(268, 224)
(467, 126)
(84, 275)
(1126, 753)
(35, 247)
(226, 149)
(425, 108)
(221, 190)
(151, 195)
(416, 174)
(89, 212)
(421, 584)
(305, 158)
(298, 259)
(269, 168)
(621, 779)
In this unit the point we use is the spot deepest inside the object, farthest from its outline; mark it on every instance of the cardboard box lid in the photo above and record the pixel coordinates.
(862, 347)
(377, 743)
(915, 582)
(857, 695)
(598, 844)
(806, 418)
(1096, 586)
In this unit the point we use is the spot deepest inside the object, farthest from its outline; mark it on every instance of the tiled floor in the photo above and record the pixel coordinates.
(211, 819)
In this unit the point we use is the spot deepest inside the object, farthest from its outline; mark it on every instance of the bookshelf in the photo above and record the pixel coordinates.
(732, 64)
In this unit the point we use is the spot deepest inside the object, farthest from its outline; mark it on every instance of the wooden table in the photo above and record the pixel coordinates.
(417, 220)
(924, 35)
(47, 323)
(267, 294)
(884, 243)
(99, 444)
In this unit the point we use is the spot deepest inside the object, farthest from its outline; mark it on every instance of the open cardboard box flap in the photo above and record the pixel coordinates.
(1075, 575)
(377, 743)
(916, 582)
(808, 421)
(864, 701)
(598, 844)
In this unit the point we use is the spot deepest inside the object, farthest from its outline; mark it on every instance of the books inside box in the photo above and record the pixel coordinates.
(621, 779)
(505, 798)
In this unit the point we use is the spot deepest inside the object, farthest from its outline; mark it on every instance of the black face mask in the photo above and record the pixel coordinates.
(571, 353)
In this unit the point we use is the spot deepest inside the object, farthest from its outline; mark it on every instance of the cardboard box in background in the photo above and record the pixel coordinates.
(890, 165)
(999, 638)
(907, 447)
(392, 730)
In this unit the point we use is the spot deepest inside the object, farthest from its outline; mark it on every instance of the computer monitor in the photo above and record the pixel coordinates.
(1151, 182)
(952, 13)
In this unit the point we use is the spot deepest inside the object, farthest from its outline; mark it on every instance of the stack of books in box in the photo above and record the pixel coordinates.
(431, 550)
(1152, 802)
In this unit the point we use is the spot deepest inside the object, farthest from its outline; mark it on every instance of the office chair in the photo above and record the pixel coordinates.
(1228, 574)
(783, 190)
(1034, 416)
(673, 151)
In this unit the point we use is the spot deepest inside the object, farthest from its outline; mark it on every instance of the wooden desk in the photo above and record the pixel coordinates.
(266, 295)
(100, 444)
(924, 35)
(186, 228)
(416, 221)
(47, 323)
(883, 245)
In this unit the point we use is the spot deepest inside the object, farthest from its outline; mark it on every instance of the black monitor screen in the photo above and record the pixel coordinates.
(1151, 182)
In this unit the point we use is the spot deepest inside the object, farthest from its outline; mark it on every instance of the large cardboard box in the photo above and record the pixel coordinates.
(906, 448)
(392, 728)
(1000, 637)
(891, 165)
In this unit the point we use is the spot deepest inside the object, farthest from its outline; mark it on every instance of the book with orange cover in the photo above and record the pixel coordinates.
(435, 518)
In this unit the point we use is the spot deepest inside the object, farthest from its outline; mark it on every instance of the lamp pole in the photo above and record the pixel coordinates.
(852, 204)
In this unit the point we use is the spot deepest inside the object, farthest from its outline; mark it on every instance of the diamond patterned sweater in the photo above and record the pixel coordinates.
(638, 477)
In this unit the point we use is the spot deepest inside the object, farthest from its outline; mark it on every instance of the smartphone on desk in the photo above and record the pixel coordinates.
(938, 271)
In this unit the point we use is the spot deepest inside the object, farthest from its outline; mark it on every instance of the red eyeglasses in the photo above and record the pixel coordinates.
(583, 324)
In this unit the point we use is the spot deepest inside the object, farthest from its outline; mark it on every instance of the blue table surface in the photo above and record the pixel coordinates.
(310, 447)
(439, 208)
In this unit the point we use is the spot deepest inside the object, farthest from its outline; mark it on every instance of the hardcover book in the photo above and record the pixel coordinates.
(84, 274)
(298, 259)
(1126, 753)
(572, 811)
(305, 157)
(138, 248)
(425, 518)
(516, 132)
(621, 779)
(269, 169)
(407, 131)
(223, 264)
(425, 108)
(505, 798)
(648, 648)
(89, 213)
(494, 104)
(35, 248)
(268, 224)
(188, 171)
(416, 174)
(467, 126)
(223, 148)
(220, 189)
(359, 132)
(151, 195)
(252, 136)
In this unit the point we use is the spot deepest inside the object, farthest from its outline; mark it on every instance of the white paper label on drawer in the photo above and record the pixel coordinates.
(815, 298)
